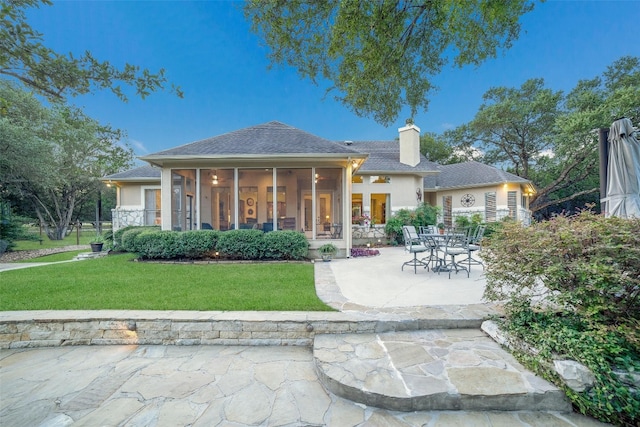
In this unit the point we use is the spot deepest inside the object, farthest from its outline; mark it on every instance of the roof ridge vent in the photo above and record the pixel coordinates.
(348, 142)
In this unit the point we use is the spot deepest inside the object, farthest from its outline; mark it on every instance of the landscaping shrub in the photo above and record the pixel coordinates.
(571, 289)
(198, 243)
(423, 215)
(241, 244)
(116, 238)
(285, 245)
(156, 244)
(583, 262)
(128, 238)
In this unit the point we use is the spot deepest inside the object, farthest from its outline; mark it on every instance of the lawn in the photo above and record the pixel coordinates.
(83, 238)
(117, 282)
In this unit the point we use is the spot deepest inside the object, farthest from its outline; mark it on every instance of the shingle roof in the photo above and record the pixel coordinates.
(471, 174)
(273, 138)
(384, 156)
(139, 173)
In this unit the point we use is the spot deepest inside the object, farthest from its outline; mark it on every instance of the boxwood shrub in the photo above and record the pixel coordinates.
(115, 240)
(286, 245)
(150, 243)
(198, 244)
(158, 244)
(241, 244)
(128, 238)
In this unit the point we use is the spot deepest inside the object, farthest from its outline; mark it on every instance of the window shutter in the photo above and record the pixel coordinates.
(490, 206)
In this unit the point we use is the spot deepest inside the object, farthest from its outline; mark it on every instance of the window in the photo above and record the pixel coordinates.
(512, 205)
(447, 208)
(379, 208)
(356, 208)
(380, 179)
(490, 206)
(152, 212)
(356, 179)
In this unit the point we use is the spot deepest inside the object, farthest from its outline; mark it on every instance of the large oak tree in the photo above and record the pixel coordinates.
(24, 56)
(380, 55)
(53, 157)
(549, 137)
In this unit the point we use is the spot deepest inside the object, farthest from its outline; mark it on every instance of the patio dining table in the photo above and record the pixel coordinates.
(436, 241)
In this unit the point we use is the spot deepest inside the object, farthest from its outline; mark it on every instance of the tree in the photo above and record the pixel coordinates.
(25, 58)
(550, 138)
(379, 55)
(67, 154)
(437, 149)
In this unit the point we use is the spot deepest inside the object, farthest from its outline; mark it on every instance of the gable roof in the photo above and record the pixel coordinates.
(470, 174)
(273, 139)
(384, 157)
(142, 173)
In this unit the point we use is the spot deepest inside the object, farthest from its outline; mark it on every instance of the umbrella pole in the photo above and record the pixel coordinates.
(603, 135)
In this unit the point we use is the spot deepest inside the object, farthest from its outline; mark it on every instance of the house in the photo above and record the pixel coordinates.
(274, 176)
(474, 188)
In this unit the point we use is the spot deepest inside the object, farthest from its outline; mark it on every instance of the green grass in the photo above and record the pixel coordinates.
(85, 236)
(62, 256)
(116, 282)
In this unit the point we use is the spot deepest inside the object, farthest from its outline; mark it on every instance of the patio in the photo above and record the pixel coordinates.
(378, 281)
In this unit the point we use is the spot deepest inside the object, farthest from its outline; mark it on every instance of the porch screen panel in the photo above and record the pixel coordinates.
(329, 203)
(286, 202)
(512, 204)
(252, 197)
(183, 215)
(447, 210)
(152, 212)
(301, 182)
(490, 206)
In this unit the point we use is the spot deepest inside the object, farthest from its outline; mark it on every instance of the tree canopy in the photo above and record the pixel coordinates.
(550, 137)
(53, 157)
(381, 55)
(24, 57)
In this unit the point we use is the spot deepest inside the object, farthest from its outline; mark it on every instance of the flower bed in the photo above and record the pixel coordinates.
(358, 252)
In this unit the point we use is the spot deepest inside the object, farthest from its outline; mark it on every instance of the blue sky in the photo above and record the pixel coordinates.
(207, 49)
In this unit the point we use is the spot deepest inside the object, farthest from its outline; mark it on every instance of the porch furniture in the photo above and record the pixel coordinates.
(267, 227)
(289, 223)
(337, 231)
(206, 226)
(430, 241)
(474, 244)
(454, 246)
(413, 244)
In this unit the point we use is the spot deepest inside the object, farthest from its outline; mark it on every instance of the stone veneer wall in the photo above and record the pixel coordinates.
(218, 328)
(121, 218)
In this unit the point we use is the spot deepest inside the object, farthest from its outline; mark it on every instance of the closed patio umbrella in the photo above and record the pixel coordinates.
(623, 176)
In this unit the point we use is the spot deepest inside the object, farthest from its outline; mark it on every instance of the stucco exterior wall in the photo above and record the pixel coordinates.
(130, 194)
(401, 188)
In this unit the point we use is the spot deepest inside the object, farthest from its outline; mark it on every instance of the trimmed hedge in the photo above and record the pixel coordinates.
(150, 243)
(115, 239)
(241, 244)
(285, 245)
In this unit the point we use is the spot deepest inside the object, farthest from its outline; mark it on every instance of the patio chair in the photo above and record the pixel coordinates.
(337, 231)
(455, 245)
(433, 246)
(206, 226)
(474, 244)
(412, 244)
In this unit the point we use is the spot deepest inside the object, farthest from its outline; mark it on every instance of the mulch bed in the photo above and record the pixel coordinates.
(14, 256)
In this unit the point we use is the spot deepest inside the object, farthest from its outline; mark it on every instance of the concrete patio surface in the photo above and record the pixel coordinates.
(267, 385)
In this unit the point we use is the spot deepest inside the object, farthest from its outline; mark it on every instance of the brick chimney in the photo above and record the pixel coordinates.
(409, 144)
